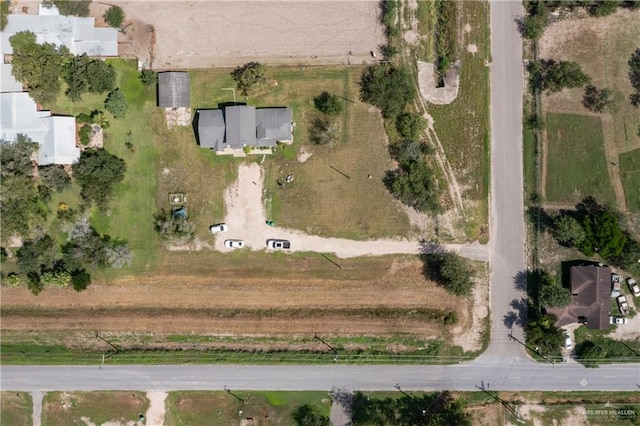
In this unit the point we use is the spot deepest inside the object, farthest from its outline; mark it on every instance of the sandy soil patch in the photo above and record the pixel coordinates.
(470, 337)
(303, 155)
(247, 221)
(156, 411)
(204, 34)
(472, 48)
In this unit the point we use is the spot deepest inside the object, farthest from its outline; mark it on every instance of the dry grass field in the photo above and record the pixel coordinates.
(603, 47)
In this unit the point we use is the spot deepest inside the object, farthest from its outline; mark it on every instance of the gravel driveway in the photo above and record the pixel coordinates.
(246, 220)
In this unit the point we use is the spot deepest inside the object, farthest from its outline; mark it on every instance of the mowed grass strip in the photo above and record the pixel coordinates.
(576, 163)
(16, 409)
(630, 170)
(67, 408)
(222, 408)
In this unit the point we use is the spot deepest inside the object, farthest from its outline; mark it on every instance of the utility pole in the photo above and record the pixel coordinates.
(335, 351)
(511, 336)
(236, 397)
(500, 400)
(422, 411)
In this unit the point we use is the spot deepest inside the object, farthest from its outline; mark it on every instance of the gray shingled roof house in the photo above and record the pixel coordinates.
(234, 127)
(173, 90)
(590, 298)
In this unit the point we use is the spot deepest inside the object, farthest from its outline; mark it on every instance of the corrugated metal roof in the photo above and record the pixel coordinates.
(8, 83)
(173, 90)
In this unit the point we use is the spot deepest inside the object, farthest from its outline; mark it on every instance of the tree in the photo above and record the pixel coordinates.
(602, 235)
(85, 74)
(118, 254)
(18, 192)
(173, 227)
(410, 125)
(73, 7)
(429, 409)
(536, 20)
(551, 294)
(568, 231)
(250, 77)
(55, 177)
(328, 103)
(114, 16)
(98, 172)
(600, 100)
(634, 78)
(4, 13)
(387, 87)
(38, 66)
(323, 131)
(450, 270)
(413, 184)
(551, 76)
(80, 280)
(35, 258)
(590, 353)
(308, 415)
(116, 104)
(148, 77)
(85, 134)
(603, 7)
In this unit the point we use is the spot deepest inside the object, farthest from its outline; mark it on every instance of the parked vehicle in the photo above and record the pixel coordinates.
(615, 292)
(623, 305)
(618, 320)
(234, 244)
(633, 286)
(279, 244)
(218, 228)
(568, 343)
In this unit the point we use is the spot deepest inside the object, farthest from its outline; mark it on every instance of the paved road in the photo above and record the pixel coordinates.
(515, 375)
(507, 234)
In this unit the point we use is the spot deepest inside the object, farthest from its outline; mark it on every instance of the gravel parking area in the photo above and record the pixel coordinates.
(205, 34)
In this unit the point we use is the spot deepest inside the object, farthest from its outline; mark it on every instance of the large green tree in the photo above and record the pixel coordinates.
(451, 271)
(553, 76)
(429, 409)
(602, 235)
(410, 125)
(250, 77)
(568, 231)
(329, 104)
(85, 74)
(387, 87)
(73, 7)
(20, 204)
(36, 257)
(114, 16)
(552, 294)
(116, 103)
(98, 172)
(38, 66)
(414, 185)
(600, 100)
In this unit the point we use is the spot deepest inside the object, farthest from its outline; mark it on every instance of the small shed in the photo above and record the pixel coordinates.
(173, 90)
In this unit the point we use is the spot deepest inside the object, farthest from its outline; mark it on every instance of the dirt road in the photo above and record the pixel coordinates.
(247, 221)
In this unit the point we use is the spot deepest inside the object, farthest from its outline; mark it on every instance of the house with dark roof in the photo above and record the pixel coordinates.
(173, 90)
(234, 128)
(590, 298)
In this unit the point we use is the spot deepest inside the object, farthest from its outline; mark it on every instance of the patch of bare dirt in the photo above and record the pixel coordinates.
(470, 337)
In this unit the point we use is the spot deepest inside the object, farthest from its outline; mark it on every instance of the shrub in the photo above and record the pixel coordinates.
(148, 77)
(116, 104)
(603, 7)
(323, 131)
(85, 134)
(250, 77)
(387, 87)
(600, 100)
(80, 280)
(97, 172)
(73, 7)
(450, 270)
(114, 16)
(173, 227)
(410, 125)
(328, 103)
(55, 177)
(413, 184)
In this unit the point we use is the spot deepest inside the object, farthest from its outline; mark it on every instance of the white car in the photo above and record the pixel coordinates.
(278, 244)
(218, 228)
(618, 320)
(234, 244)
(623, 305)
(568, 343)
(633, 286)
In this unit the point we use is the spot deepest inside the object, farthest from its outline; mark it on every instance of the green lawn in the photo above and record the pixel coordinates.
(530, 159)
(67, 408)
(133, 201)
(223, 408)
(16, 409)
(630, 168)
(576, 164)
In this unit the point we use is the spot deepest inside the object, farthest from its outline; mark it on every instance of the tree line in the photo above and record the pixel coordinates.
(24, 205)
